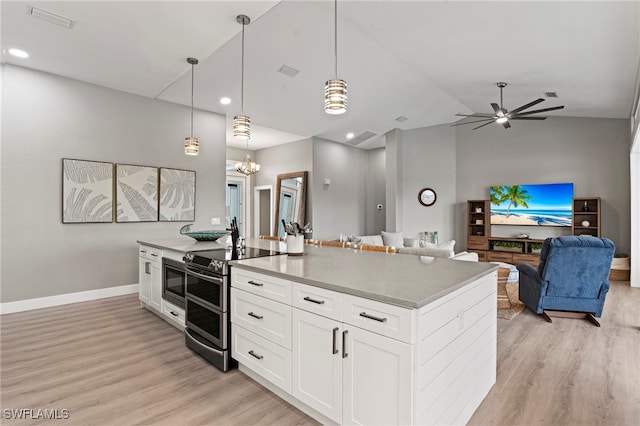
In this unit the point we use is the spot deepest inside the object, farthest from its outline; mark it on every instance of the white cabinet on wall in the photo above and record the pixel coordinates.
(150, 276)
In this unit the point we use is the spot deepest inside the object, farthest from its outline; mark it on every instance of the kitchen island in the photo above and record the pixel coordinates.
(364, 337)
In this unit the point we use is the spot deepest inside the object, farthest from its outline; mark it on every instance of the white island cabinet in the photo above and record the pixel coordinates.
(150, 276)
(347, 359)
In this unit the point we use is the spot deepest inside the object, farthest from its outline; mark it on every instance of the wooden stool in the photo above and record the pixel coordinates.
(503, 297)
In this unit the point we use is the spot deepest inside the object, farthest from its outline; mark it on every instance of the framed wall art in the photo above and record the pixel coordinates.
(87, 191)
(177, 195)
(136, 193)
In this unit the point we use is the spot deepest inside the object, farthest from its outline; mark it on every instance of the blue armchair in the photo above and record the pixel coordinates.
(572, 279)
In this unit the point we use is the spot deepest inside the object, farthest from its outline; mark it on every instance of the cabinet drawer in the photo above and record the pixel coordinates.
(271, 361)
(263, 285)
(387, 320)
(532, 259)
(150, 253)
(475, 242)
(482, 256)
(318, 300)
(173, 313)
(493, 256)
(269, 319)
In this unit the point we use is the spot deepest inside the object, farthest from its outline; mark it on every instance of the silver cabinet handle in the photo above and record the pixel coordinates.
(344, 344)
(308, 299)
(147, 267)
(255, 355)
(255, 283)
(251, 314)
(365, 315)
(335, 338)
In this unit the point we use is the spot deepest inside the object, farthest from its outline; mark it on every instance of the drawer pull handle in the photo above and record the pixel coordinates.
(251, 314)
(143, 251)
(174, 314)
(319, 302)
(335, 338)
(344, 344)
(255, 283)
(365, 315)
(255, 355)
(154, 255)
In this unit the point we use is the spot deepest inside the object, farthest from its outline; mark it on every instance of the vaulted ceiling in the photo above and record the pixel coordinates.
(422, 60)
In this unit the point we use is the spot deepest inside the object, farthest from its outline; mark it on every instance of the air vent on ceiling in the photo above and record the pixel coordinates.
(401, 119)
(361, 137)
(551, 94)
(288, 71)
(51, 17)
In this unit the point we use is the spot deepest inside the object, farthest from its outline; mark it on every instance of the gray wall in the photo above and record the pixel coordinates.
(287, 158)
(376, 191)
(46, 118)
(591, 153)
(338, 207)
(428, 161)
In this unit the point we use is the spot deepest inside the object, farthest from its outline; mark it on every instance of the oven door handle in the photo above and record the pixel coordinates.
(204, 277)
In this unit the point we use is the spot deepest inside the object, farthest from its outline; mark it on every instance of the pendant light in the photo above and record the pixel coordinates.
(191, 144)
(335, 90)
(242, 123)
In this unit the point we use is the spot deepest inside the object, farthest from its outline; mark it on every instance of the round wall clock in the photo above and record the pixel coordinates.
(427, 197)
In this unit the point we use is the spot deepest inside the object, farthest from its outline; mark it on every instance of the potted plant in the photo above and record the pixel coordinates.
(512, 246)
(536, 248)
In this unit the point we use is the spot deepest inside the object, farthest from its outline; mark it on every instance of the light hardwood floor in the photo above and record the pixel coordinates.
(111, 363)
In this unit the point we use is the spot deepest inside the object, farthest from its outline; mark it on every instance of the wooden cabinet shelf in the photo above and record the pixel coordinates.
(586, 209)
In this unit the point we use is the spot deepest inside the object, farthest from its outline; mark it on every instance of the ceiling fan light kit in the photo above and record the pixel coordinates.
(502, 116)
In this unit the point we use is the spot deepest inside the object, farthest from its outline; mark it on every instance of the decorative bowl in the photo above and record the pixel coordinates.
(208, 235)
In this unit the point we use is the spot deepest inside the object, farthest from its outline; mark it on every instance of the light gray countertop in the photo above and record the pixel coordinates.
(405, 280)
(183, 244)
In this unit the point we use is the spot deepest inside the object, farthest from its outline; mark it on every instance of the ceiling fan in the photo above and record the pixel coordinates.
(502, 116)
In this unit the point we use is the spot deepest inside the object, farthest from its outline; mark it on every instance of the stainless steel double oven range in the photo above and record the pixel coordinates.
(208, 281)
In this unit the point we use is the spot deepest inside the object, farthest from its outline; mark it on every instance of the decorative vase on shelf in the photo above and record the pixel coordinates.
(585, 207)
(586, 223)
(478, 209)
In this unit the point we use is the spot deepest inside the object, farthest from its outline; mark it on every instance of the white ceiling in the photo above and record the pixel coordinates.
(424, 60)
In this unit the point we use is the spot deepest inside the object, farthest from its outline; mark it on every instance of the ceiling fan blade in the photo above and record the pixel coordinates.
(476, 121)
(495, 107)
(476, 114)
(506, 125)
(529, 105)
(538, 110)
(528, 118)
(482, 125)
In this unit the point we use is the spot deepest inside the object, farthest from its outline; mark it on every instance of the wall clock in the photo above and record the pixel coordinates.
(427, 197)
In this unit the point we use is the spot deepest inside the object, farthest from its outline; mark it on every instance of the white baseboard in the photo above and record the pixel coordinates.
(64, 299)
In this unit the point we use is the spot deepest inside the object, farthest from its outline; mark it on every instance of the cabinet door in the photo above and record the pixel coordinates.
(144, 278)
(156, 286)
(317, 363)
(377, 379)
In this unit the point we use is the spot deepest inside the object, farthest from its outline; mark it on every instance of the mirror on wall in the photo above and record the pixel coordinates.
(291, 194)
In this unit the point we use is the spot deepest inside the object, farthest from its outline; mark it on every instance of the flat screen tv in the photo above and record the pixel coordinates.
(536, 205)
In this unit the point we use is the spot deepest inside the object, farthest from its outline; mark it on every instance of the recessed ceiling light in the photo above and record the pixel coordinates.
(350, 135)
(19, 53)
(225, 101)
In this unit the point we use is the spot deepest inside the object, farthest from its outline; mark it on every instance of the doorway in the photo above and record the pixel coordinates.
(263, 210)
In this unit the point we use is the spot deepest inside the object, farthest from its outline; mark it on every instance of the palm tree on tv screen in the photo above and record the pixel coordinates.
(515, 194)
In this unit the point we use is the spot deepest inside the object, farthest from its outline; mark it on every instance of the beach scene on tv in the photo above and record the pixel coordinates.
(538, 205)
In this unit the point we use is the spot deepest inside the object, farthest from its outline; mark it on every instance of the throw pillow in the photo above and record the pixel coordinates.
(447, 245)
(371, 240)
(393, 239)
